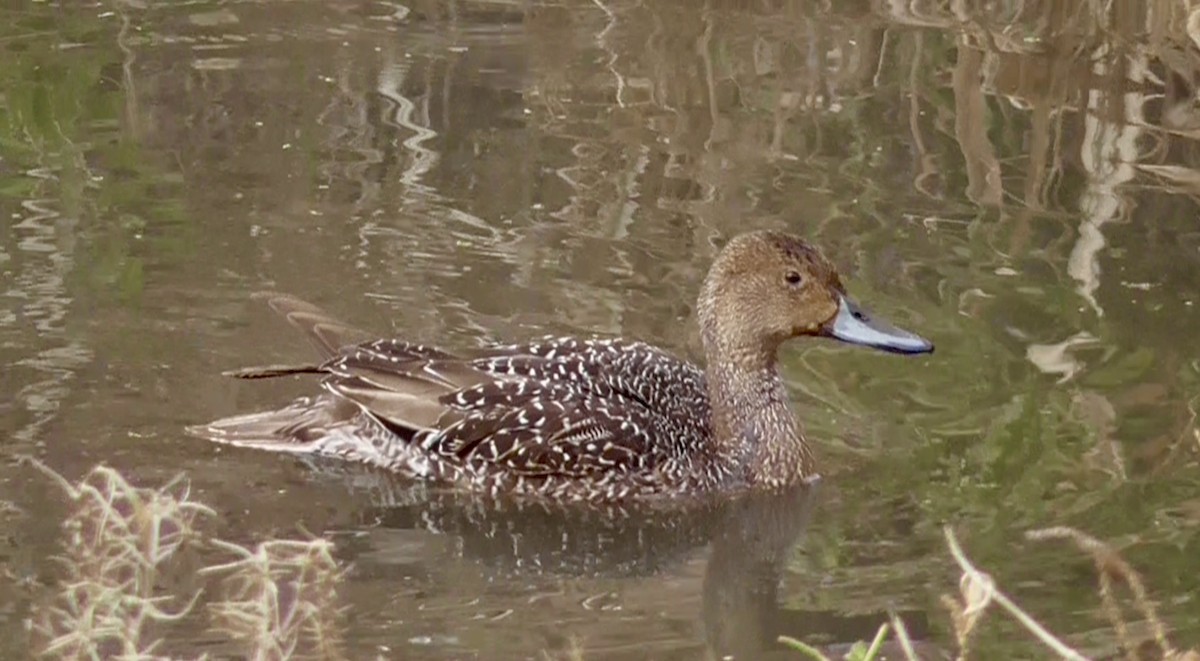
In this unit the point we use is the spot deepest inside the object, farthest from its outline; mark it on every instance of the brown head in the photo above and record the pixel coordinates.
(764, 289)
(767, 287)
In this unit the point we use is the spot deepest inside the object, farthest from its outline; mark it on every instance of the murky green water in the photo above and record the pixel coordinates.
(1013, 180)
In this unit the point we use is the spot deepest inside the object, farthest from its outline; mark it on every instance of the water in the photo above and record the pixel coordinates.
(1014, 181)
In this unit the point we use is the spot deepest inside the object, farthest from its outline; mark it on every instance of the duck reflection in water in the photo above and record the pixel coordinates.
(744, 545)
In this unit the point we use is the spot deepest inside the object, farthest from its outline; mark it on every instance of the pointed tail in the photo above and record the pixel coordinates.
(272, 371)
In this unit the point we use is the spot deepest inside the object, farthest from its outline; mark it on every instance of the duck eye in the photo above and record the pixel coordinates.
(793, 278)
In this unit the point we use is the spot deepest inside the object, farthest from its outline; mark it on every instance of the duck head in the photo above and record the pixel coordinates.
(767, 287)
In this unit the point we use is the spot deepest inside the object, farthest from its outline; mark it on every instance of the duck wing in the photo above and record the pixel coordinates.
(553, 407)
(519, 409)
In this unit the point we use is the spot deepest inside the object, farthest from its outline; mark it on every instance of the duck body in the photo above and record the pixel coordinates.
(572, 419)
(564, 418)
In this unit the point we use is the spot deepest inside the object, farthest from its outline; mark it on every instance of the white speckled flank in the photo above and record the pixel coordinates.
(563, 417)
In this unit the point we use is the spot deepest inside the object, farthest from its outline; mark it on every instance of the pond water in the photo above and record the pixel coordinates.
(1012, 180)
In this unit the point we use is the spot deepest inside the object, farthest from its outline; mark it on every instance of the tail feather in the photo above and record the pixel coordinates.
(272, 371)
(296, 427)
(333, 425)
(322, 426)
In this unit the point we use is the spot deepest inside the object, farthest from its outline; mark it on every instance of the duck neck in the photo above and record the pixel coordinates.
(753, 424)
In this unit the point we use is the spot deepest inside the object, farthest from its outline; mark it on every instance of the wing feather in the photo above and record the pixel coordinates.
(551, 407)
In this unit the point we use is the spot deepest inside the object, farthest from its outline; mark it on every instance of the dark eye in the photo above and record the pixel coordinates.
(793, 278)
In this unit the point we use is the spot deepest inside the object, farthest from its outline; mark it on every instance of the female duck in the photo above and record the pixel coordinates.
(581, 419)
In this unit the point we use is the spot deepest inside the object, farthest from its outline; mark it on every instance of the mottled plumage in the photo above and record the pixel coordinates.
(577, 419)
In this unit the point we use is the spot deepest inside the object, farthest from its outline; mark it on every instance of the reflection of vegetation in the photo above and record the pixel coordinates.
(64, 149)
(114, 597)
(280, 599)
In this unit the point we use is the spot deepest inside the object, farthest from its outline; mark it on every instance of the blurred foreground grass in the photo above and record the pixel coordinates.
(114, 598)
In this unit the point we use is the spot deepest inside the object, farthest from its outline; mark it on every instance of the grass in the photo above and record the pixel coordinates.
(118, 537)
(859, 652)
(281, 598)
(275, 601)
(978, 592)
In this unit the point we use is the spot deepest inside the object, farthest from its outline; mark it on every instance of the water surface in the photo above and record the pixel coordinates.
(1013, 180)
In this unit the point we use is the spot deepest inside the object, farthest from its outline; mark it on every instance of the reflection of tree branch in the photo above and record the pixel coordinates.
(926, 166)
(131, 105)
(1186, 441)
(704, 46)
(602, 41)
(970, 128)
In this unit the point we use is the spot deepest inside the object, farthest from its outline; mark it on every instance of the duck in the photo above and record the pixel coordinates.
(579, 419)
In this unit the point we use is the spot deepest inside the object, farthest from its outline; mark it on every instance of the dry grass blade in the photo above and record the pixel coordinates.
(281, 596)
(118, 536)
(281, 599)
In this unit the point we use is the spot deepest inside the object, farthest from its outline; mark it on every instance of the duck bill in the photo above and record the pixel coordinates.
(854, 325)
